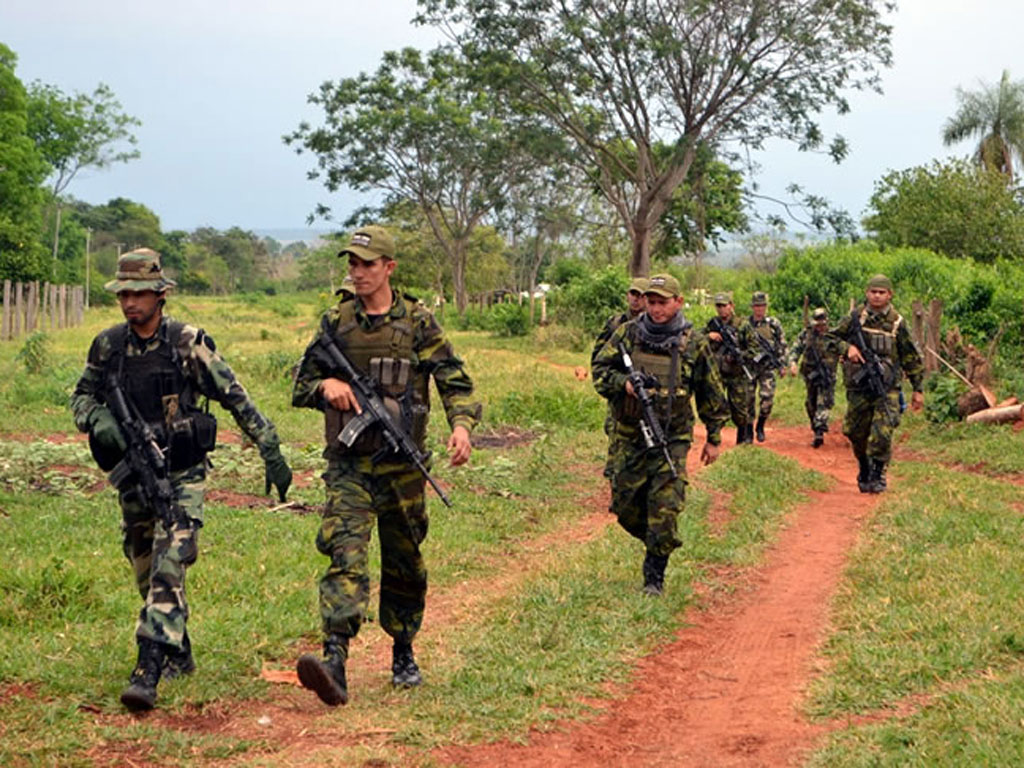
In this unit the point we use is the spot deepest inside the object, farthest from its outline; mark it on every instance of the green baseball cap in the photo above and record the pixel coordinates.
(880, 281)
(370, 243)
(639, 284)
(758, 299)
(140, 270)
(723, 297)
(663, 285)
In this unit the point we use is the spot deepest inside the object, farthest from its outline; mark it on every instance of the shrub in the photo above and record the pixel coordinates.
(508, 320)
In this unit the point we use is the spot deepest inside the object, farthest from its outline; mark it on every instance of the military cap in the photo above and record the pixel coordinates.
(639, 284)
(759, 298)
(819, 315)
(723, 297)
(139, 270)
(370, 243)
(663, 285)
(880, 281)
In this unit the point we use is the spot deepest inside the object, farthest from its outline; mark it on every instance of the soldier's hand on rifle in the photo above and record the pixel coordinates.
(339, 395)
(793, 370)
(459, 446)
(917, 401)
(715, 336)
(278, 474)
(104, 430)
(853, 354)
(629, 388)
(709, 454)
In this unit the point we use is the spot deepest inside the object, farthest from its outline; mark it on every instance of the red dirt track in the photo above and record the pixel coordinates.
(727, 691)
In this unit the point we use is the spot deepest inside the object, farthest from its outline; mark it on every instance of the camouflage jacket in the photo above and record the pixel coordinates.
(728, 365)
(890, 337)
(812, 347)
(610, 325)
(434, 357)
(200, 364)
(769, 329)
(697, 376)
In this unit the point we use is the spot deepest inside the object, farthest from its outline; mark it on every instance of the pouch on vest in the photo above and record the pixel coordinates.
(189, 439)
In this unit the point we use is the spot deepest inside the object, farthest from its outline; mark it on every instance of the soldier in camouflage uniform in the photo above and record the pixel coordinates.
(636, 304)
(397, 341)
(732, 345)
(818, 355)
(163, 367)
(770, 356)
(645, 497)
(870, 419)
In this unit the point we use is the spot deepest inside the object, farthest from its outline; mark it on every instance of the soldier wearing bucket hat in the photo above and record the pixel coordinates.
(872, 416)
(647, 498)
(394, 340)
(769, 358)
(732, 345)
(816, 355)
(163, 367)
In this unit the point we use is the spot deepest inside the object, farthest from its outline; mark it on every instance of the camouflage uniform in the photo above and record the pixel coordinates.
(645, 497)
(870, 421)
(160, 557)
(818, 355)
(391, 492)
(769, 329)
(734, 379)
(610, 326)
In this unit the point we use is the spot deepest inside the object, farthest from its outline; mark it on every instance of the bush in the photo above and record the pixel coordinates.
(35, 353)
(508, 320)
(589, 300)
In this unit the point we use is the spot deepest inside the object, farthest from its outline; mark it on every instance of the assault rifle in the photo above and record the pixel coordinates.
(144, 463)
(650, 427)
(396, 439)
(769, 352)
(871, 370)
(729, 341)
(818, 370)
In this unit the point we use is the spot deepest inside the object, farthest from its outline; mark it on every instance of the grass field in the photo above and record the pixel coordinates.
(537, 614)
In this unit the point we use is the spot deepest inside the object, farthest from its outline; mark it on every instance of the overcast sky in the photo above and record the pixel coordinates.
(217, 83)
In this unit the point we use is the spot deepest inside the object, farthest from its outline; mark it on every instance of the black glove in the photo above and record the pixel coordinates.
(104, 430)
(278, 474)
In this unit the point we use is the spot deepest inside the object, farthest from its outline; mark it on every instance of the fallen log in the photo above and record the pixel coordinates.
(1007, 401)
(985, 391)
(1001, 415)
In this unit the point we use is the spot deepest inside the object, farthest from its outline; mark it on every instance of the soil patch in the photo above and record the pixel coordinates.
(502, 437)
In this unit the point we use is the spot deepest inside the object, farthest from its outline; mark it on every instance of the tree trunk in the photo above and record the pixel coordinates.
(997, 415)
(640, 261)
(56, 239)
(459, 276)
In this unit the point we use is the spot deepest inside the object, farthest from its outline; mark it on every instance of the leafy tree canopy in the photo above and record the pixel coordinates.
(955, 208)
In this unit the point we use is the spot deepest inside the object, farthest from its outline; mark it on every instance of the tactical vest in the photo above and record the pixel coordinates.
(658, 364)
(882, 340)
(156, 387)
(386, 354)
(728, 364)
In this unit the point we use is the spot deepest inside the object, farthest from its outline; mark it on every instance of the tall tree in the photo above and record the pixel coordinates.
(419, 129)
(77, 132)
(22, 170)
(636, 73)
(995, 116)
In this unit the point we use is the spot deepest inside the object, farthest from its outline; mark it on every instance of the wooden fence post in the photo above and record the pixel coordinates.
(5, 328)
(30, 314)
(62, 307)
(19, 310)
(917, 332)
(934, 334)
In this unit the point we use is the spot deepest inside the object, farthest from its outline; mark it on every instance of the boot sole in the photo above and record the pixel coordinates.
(317, 678)
(137, 701)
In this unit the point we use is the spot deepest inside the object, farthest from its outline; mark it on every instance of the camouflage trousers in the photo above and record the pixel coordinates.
(870, 422)
(646, 499)
(737, 389)
(762, 393)
(160, 557)
(818, 404)
(358, 494)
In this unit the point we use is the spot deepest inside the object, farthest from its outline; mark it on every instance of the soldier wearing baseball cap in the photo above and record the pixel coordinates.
(394, 340)
(732, 345)
(815, 356)
(162, 368)
(876, 331)
(648, 493)
(769, 358)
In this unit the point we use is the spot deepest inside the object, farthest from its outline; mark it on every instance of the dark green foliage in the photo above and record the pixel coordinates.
(589, 300)
(509, 320)
(551, 406)
(940, 404)
(35, 353)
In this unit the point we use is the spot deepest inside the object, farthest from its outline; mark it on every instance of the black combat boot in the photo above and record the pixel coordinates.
(760, 428)
(741, 435)
(179, 663)
(140, 695)
(326, 676)
(876, 476)
(654, 574)
(404, 671)
(819, 439)
(863, 473)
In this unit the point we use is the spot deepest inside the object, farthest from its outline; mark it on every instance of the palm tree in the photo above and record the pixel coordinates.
(996, 116)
